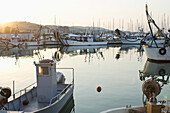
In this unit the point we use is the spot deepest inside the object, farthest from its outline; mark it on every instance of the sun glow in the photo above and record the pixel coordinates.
(79, 12)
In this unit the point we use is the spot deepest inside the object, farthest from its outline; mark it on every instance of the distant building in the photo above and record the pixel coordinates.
(21, 35)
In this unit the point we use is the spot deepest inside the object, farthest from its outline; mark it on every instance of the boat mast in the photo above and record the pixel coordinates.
(150, 20)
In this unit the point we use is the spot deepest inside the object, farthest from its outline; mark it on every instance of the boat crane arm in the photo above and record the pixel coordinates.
(150, 20)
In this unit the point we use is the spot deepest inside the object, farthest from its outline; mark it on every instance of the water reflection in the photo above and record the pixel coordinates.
(124, 49)
(114, 75)
(69, 107)
(87, 51)
(90, 51)
(156, 72)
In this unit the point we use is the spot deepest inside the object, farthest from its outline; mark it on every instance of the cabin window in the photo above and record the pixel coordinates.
(43, 70)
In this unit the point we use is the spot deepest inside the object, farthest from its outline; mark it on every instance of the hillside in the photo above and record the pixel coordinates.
(22, 26)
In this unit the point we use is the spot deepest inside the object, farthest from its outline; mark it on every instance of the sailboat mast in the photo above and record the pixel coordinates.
(113, 24)
(93, 27)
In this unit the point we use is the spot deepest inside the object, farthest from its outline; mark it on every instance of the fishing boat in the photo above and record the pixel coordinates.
(126, 40)
(14, 42)
(77, 40)
(152, 75)
(154, 51)
(50, 95)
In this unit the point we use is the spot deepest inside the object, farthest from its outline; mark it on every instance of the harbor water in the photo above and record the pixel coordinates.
(114, 68)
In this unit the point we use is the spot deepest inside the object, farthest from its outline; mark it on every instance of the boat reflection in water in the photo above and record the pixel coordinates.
(88, 51)
(157, 71)
(124, 49)
(69, 107)
(24, 51)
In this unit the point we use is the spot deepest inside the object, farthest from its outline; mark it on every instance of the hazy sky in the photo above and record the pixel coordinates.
(81, 12)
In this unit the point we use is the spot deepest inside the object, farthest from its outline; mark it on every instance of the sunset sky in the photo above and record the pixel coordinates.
(82, 12)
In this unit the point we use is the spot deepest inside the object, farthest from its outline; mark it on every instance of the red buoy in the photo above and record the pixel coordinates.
(99, 88)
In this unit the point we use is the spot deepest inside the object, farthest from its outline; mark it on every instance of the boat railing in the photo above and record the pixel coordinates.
(23, 91)
(69, 86)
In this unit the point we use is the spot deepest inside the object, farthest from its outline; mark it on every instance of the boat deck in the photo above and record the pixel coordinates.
(35, 105)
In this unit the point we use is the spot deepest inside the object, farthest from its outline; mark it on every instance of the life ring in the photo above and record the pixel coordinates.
(162, 51)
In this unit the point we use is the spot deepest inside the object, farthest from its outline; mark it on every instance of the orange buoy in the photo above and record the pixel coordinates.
(99, 88)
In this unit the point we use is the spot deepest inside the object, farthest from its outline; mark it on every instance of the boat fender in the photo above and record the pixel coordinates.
(5, 92)
(162, 51)
(25, 102)
(3, 101)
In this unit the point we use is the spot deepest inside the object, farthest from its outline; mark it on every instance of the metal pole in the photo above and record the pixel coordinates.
(13, 89)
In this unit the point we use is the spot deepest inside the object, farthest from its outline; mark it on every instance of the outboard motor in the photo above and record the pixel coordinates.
(60, 78)
(5, 93)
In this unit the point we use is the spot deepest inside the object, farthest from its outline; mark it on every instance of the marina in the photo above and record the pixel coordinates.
(106, 57)
(115, 86)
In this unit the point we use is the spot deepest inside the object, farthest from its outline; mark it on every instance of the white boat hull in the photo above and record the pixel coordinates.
(148, 42)
(131, 41)
(21, 44)
(152, 53)
(80, 43)
(48, 42)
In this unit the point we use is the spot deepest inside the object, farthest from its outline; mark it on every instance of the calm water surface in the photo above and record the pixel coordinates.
(117, 75)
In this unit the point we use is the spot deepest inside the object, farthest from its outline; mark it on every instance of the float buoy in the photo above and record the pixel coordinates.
(99, 89)
(162, 51)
